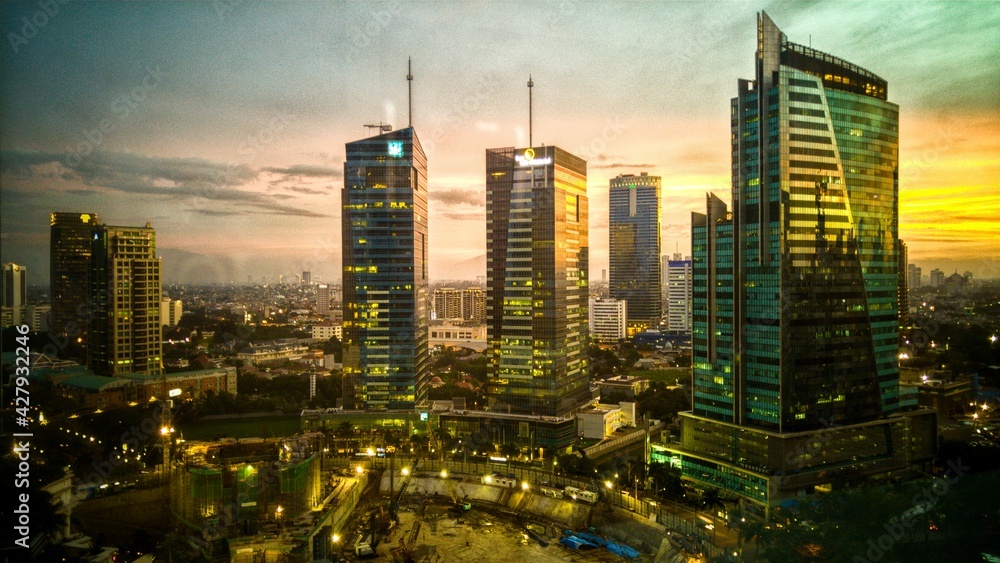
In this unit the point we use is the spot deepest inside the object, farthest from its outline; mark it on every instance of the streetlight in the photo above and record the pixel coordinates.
(359, 470)
(524, 486)
(405, 471)
(444, 473)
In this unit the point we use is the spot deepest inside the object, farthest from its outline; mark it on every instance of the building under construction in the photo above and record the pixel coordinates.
(232, 488)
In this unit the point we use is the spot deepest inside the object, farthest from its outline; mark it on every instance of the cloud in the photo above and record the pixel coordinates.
(170, 178)
(458, 197)
(307, 170)
(302, 190)
(622, 165)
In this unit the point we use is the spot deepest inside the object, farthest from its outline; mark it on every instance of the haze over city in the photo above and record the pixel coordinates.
(224, 124)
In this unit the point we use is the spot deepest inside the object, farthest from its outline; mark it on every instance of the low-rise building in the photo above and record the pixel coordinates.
(600, 421)
(629, 385)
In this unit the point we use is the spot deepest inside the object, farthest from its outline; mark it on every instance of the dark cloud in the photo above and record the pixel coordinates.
(171, 178)
(82, 193)
(458, 197)
(461, 216)
(307, 170)
(303, 190)
(622, 165)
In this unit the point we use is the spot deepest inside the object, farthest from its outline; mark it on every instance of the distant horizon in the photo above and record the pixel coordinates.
(228, 133)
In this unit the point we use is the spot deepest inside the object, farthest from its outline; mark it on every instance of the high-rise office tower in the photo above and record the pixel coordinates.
(903, 293)
(69, 272)
(125, 332)
(537, 261)
(913, 273)
(385, 272)
(795, 329)
(14, 293)
(679, 289)
(634, 246)
(937, 278)
(322, 299)
(306, 277)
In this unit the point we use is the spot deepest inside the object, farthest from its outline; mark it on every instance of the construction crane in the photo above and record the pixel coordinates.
(458, 506)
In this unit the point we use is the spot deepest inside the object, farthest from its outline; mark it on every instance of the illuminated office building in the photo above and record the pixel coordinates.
(634, 247)
(126, 336)
(70, 237)
(537, 284)
(385, 324)
(795, 322)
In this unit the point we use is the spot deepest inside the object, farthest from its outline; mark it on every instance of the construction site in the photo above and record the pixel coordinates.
(424, 515)
(284, 500)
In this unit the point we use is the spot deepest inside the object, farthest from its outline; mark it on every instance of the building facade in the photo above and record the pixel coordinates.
(125, 332)
(608, 320)
(14, 293)
(679, 292)
(70, 237)
(795, 325)
(537, 264)
(634, 243)
(385, 272)
(170, 311)
(447, 303)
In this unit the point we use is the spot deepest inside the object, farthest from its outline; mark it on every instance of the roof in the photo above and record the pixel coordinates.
(95, 382)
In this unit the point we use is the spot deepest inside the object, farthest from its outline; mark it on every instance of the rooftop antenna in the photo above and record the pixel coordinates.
(409, 87)
(381, 127)
(531, 85)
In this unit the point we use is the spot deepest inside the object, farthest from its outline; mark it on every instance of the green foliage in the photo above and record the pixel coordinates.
(662, 403)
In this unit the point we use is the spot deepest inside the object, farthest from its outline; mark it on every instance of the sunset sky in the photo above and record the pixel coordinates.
(224, 122)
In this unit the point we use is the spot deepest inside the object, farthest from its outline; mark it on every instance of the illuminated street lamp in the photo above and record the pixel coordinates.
(524, 486)
(609, 485)
(405, 471)
(444, 473)
(488, 479)
(359, 470)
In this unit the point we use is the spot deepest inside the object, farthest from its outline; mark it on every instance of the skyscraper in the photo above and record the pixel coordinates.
(537, 261)
(634, 234)
(447, 303)
(679, 286)
(903, 292)
(69, 272)
(323, 299)
(795, 328)
(385, 272)
(14, 293)
(125, 332)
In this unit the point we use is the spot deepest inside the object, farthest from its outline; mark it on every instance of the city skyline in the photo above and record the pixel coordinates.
(225, 132)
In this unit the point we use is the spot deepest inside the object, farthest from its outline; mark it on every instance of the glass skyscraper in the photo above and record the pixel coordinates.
(385, 300)
(69, 272)
(634, 245)
(795, 320)
(537, 262)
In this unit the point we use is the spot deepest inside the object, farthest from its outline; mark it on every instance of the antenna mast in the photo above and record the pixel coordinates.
(409, 87)
(531, 85)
